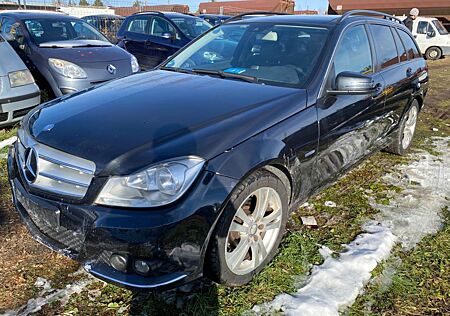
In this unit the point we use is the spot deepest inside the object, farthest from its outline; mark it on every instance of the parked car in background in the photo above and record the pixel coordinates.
(154, 36)
(108, 25)
(192, 169)
(214, 19)
(432, 37)
(18, 91)
(64, 54)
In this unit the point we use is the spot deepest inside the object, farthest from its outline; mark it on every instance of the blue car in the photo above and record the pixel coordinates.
(153, 36)
(64, 54)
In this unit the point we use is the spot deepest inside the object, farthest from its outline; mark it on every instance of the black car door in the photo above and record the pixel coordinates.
(396, 71)
(402, 80)
(350, 125)
(163, 40)
(135, 38)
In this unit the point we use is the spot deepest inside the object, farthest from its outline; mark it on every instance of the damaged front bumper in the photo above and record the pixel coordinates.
(171, 240)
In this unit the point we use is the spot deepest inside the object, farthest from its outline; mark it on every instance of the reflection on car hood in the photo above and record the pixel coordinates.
(75, 43)
(127, 124)
(85, 54)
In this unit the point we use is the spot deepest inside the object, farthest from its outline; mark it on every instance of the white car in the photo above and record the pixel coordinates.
(432, 37)
(18, 91)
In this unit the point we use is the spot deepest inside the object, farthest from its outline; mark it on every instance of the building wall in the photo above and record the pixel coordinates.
(238, 7)
(126, 11)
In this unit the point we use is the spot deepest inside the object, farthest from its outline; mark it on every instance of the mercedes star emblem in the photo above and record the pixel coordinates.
(30, 169)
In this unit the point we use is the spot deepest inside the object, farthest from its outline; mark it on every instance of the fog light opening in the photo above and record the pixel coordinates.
(141, 267)
(119, 262)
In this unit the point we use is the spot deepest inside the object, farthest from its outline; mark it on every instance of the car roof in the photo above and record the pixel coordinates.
(108, 16)
(25, 14)
(166, 14)
(215, 15)
(422, 18)
(311, 20)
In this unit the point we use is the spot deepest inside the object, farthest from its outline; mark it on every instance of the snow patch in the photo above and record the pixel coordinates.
(416, 211)
(412, 214)
(8, 142)
(49, 295)
(337, 282)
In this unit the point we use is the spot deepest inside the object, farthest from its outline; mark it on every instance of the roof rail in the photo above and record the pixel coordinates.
(243, 15)
(149, 11)
(369, 12)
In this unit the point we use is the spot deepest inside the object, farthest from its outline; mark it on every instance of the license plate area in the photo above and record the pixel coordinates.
(41, 216)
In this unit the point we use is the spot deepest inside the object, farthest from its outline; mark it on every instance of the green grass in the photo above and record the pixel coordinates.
(421, 284)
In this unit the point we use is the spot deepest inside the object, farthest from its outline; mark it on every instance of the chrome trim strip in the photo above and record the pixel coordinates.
(56, 178)
(141, 286)
(65, 164)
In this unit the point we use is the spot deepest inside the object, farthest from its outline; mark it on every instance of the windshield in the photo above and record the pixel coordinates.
(54, 30)
(192, 27)
(441, 29)
(283, 55)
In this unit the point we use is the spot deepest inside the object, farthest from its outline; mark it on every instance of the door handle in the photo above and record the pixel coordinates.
(409, 72)
(377, 90)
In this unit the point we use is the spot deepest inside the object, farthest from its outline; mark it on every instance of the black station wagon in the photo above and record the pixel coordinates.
(191, 170)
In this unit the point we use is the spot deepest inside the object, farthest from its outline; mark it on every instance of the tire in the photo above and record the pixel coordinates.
(433, 53)
(230, 260)
(400, 144)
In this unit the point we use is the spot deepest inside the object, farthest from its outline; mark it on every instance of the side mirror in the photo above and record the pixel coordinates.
(168, 35)
(351, 83)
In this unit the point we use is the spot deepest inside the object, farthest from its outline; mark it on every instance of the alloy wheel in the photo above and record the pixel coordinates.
(410, 127)
(254, 231)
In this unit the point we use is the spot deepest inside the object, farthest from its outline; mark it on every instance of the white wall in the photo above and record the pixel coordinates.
(84, 11)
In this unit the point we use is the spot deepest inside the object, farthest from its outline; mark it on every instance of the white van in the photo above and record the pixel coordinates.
(432, 37)
(18, 91)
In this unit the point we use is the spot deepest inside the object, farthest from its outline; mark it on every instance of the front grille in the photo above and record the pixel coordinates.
(3, 117)
(56, 171)
(22, 112)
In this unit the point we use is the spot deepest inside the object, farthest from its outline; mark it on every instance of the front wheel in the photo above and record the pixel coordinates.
(250, 229)
(433, 53)
(404, 135)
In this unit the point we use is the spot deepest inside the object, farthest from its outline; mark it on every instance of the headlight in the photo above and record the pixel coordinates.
(158, 185)
(67, 69)
(134, 64)
(20, 78)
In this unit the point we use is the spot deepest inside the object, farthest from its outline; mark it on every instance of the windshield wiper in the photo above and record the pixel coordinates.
(227, 75)
(178, 69)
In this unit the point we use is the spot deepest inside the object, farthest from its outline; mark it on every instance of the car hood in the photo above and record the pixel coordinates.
(83, 54)
(13, 63)
(127, 124)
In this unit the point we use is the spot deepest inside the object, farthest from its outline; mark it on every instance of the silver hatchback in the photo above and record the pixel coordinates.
(18, 91)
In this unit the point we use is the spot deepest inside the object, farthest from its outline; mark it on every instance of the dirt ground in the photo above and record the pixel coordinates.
(23, 260)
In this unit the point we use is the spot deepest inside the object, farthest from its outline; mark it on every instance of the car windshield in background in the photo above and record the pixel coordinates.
(192, 27)
(53, 30)
(283, 55)
(441, 29)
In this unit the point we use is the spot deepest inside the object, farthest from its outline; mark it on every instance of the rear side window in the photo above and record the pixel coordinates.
(422, 27)
(353, 53)
(385, 45)
(160, 26)
(411, 47)
(400, 48)
(138, 25)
